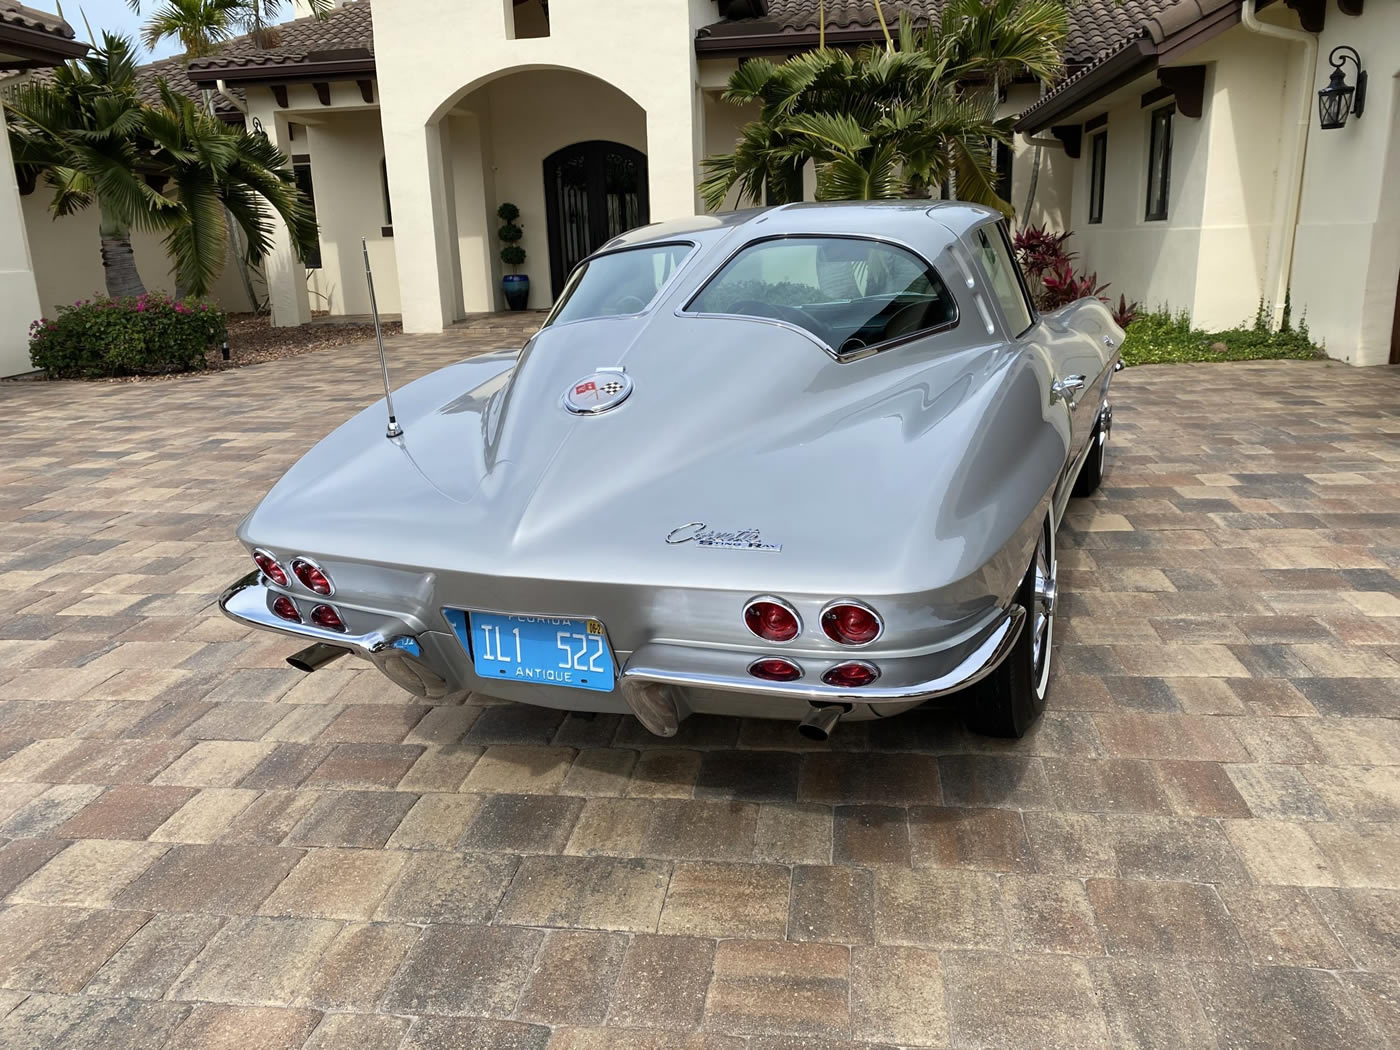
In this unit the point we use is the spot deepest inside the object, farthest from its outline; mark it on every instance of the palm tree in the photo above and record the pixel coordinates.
(889, 120)
(79, 129)
(202, 26)
(219, 174)
(170, 168)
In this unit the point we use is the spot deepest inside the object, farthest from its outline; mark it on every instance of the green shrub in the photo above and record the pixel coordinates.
(1161, 337)
(150, 334)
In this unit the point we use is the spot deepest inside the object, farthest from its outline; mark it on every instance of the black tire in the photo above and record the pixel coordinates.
(1008, 701)
(1091, 473)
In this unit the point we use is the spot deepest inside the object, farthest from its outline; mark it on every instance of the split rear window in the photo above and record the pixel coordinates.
(850, 293)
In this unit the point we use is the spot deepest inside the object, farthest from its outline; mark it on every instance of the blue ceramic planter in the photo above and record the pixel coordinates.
(516, 287)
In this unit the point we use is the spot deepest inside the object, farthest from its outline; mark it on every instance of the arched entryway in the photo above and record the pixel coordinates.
(593, 191)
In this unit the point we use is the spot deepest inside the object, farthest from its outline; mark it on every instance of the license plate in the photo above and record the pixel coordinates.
(540, 650)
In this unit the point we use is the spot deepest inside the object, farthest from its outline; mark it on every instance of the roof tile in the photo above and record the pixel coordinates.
(16, 14)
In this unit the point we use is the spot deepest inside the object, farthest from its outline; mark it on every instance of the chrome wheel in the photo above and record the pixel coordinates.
(1043, 608)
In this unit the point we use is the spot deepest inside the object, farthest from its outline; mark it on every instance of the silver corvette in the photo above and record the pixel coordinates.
(802, 463)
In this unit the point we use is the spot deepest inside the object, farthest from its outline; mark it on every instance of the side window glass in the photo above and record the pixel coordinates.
(1001, 273)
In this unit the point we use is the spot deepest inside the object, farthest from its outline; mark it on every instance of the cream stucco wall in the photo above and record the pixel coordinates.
(68, 262)
(1053, 187)
(19, 299)
(644, 48)
(346, 152)
(1347, 253)
(1210, 255)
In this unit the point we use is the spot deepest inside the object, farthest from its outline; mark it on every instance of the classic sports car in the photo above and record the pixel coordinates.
(804, 462)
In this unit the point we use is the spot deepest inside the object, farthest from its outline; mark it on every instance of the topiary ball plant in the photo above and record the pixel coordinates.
(511, 254)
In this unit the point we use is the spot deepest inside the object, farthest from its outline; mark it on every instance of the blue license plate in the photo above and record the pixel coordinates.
(539, 650)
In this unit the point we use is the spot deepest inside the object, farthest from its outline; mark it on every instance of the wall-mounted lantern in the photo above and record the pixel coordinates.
(1338, 98)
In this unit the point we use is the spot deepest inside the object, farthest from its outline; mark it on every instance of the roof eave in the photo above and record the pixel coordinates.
(780, 43)
(1118, 69)
(1124, 67)
(284, 72)
(25, 48)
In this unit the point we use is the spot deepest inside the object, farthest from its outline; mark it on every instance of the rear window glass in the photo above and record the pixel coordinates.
(622, 282)
(848, 292)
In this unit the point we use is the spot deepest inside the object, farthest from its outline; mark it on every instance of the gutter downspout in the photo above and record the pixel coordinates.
(237, 103)
(1287, 222)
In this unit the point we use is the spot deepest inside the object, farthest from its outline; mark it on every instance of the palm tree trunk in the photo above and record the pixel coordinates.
(118, 261)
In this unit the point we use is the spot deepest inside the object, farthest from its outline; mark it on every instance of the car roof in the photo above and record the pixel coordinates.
(924, 224)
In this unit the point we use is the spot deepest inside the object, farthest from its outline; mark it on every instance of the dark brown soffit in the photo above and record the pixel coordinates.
(25, 48)
(284, 72)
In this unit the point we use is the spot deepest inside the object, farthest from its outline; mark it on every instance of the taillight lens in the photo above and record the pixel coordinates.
(771, 620)
(851, 676)
(851, 624)
(775, 669)
(312, 576)
(286, 608)
(326, 616)
(271, 567)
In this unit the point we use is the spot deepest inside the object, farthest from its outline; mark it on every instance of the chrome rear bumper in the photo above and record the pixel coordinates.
(391, 644)
(653, 678)
(659, 681)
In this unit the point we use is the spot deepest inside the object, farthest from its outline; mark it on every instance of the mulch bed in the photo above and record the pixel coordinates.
(252, 339)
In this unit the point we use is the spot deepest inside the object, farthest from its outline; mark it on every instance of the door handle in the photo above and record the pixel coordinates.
(1067, 387)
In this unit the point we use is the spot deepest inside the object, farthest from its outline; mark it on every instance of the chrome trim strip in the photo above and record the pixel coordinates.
(706, 669)
(859, 605)
(797, 616)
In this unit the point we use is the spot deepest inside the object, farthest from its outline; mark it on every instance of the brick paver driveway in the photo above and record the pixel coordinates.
(1198, 847)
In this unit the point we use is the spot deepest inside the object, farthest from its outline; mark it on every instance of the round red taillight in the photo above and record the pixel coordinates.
(310, 574)
(851, 624)
(327, 617)
(772, 620)
(851, 676)
(271, 567)
(286, 608)
(775, 669)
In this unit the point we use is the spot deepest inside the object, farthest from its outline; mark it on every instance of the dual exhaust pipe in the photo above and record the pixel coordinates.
(821, 721)
(314, 657)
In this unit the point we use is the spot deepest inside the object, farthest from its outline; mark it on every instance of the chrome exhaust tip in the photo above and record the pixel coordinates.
(654, 704)
(314, 657)
(821, 721)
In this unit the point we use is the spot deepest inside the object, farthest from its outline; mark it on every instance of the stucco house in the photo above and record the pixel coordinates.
(29, 39)
(411, 130)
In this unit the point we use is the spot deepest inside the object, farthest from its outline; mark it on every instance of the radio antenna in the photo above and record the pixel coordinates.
(393, 430)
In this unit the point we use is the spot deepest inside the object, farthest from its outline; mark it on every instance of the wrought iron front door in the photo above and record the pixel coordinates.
(593, 191)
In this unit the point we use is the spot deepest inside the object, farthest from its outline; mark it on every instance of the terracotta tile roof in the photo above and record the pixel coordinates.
(16, 14)
(348, 26)
(1097, 27)
(1175, 19)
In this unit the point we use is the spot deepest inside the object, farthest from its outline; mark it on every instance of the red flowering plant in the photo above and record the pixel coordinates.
(1051, 277)
(150, 334)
